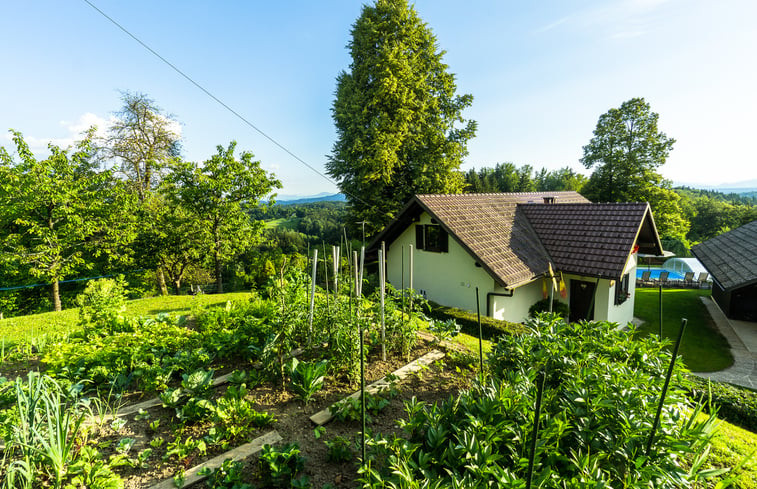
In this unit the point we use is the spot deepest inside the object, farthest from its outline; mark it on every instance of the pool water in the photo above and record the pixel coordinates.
(655, 274)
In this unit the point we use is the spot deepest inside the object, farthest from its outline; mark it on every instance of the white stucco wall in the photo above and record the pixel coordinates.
(604, 305)
(451, 278)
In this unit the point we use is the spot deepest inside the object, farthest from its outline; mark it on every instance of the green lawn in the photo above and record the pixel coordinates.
(283, 223)
(703, 348)
(13, 330)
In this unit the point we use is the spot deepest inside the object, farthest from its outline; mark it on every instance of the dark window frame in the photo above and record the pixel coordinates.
(622, 292)
(432, 238)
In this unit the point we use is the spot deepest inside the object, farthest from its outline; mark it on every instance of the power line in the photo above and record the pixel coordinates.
(219, 101)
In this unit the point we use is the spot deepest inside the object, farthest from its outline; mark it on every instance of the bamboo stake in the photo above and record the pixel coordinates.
(362, 264)
(535, 431)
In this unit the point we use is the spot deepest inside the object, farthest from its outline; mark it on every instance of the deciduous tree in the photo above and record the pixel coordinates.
(398, 119)
(53, 209)
(217, 192)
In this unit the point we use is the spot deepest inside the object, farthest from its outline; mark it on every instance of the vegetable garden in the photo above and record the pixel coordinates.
(131, 402)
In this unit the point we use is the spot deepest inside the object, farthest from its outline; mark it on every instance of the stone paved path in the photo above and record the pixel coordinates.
(741, 336)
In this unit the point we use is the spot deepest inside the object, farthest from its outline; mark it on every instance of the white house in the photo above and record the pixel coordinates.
(506, 243)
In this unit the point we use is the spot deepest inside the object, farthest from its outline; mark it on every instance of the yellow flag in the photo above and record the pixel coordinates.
(552, 276)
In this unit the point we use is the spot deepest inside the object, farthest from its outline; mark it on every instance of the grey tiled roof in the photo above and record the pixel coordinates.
(731, 257)
(514, 236)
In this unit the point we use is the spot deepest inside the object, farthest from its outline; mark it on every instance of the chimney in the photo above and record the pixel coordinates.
(549, 200)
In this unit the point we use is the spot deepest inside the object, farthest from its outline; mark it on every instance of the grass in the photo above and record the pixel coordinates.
(703, 348)
(17, 329)
(283, 223)
(730, 446)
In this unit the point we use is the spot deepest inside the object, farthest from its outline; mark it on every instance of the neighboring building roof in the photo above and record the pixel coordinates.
(731, 257)
(514, 236)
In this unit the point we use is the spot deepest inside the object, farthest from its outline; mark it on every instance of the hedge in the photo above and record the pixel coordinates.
(737, 405)
(490, 327)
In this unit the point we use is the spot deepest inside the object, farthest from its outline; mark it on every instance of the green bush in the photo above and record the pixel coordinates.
(559, 308)
(102, 301)
(735, 404)
(601, 391)
(490, 327)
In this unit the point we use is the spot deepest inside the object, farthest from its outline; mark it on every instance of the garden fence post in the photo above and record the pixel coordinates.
(335, 259)
(665, 386)
(382, 288)
(362, 358)
(312, 297)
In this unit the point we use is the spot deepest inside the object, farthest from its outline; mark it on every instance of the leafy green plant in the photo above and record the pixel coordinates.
(237, 418)
(444, 330)
(92, 471)
(228, 476)
(197, 383)
(339, 450)
(182, 449)
(599, 400)
(307, 377)
(558, 307)
(102, 301)
(349, 409)
(279, 467)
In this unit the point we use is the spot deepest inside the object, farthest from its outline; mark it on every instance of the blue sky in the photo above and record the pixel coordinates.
(541, 74)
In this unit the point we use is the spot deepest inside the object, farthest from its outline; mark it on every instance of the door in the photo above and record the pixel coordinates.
(581, 300)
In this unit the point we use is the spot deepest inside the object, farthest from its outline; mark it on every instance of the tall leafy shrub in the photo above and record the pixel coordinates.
(601, 393)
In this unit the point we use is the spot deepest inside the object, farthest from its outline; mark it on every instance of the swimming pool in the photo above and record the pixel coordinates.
(655, 274)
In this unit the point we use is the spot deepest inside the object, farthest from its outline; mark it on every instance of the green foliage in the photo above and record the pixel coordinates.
(560, 308)
(279, 467)
(339, 450)
(734, 404)
(600, 397)
(102, 301)
(56, 211)
(444, 330)
(349, 409)
(215, 192)
(228, 476)
(469, 324)
(625, 152)
(181, 449)
(307, 377)
(396, 114)
(506, 177)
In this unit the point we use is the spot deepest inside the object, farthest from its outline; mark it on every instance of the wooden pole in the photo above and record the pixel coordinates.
(335, 259)
(312, 296)
(362, 359)
(382, 288)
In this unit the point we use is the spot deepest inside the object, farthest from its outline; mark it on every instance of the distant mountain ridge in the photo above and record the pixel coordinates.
(743, 187)
(309, 199)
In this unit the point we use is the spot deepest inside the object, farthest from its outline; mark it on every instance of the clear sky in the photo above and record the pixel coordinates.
(541, 74)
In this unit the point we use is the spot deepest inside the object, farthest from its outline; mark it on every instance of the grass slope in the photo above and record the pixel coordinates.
(13, 330)
(703, 348)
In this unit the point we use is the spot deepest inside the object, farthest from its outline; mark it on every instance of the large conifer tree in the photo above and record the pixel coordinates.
(399, 125)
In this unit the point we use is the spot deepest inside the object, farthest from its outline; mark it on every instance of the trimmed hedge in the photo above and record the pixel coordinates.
(490, 327)
(737, 405)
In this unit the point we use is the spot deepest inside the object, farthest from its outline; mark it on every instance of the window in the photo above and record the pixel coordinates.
(621, 290)
(431, 237)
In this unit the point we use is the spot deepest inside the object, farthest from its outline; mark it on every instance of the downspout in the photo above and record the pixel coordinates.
(495, 294)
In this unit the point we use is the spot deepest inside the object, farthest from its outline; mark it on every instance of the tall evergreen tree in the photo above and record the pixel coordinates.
(399, 123)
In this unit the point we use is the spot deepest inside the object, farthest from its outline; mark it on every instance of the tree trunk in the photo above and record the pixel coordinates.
(219, 275)
(56, 295)
(177, 286)
(161, 281)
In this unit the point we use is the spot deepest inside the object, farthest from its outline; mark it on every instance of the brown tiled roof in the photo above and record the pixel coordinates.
(731, 257)
(514, 236)
(587, 239)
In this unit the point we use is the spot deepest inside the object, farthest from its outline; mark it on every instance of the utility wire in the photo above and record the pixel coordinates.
(219, 101)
